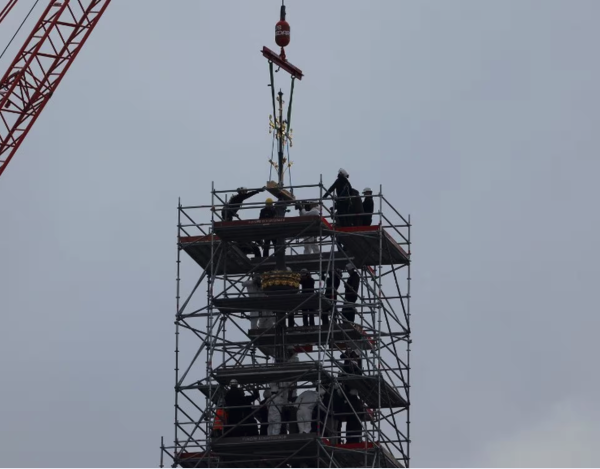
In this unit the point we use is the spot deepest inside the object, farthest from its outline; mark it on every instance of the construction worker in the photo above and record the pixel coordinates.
(342, 188)
(231, 208)
(306, 403)
(356, 207)
(220, 421)
(351, 288)
(263, 412)
(307, 284)
(352, 362)
(310, 210)
(267, 212)
(279, 398)
(253, 288)
(355, 415)
(332, 283)
(368, 206)
(238, 404)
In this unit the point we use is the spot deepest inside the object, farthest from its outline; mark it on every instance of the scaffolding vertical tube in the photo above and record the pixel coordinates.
(177, 300)
(408, 344)
(380, 306)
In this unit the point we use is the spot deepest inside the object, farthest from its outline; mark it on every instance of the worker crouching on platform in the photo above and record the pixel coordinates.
(306, 403)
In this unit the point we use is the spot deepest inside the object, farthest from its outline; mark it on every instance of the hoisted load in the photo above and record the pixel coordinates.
(282, 31)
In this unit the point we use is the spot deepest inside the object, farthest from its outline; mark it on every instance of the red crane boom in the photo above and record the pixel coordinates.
(40, 66)
(6, 10)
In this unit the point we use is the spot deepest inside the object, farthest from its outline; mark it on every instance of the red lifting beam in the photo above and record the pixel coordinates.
(40, 66)
(284, 64)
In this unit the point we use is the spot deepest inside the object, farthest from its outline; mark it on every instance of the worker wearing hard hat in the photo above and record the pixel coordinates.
(368, 206)
(342, 188)
(309, 209)
(239, 419)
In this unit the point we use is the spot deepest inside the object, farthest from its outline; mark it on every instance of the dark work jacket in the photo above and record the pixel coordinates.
(267, 212)
(352, 286)
(234, 204)
(308, 284)
(342, 188)
(329, 291)
(357, 207)
(368, 207)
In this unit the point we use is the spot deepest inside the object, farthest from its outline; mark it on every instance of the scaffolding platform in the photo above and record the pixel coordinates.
(236, 262)
(271, 228)
(272, 373)
(310, 262)
(364, 243)
(200, 248)
(272, 451)
(273, 301)
(313, 335)
(368, 390)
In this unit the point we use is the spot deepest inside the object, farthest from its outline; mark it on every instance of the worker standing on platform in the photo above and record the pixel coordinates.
(253, 288)
(308, 288)
(309, 210)
(331, 291)
(352, 362)
(306, 403)
(231, 208)
(356, 208)
(267, 212)
(279, 398)
(354, 418)
(263, 412)
(351, 288)
(237, 403)
(342, 189)
(368, 206)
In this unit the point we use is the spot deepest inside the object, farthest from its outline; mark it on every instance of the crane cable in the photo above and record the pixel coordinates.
(15, 35)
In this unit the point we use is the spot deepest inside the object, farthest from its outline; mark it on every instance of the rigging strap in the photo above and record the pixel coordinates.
(289, 113)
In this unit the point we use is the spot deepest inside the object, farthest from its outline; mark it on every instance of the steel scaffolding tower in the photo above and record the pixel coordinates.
(361, 363)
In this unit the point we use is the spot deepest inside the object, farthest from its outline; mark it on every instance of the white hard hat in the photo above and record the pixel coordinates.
(344, 172)
(233, 382)
(367, 189)
(240, 189)
(349, 266)
(304, 271)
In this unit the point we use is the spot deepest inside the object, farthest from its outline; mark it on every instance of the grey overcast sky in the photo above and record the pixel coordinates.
(478, 117)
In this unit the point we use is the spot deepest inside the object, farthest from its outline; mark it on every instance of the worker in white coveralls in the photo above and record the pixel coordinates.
(310, 210)
(279, 398)
(254, 289)
(306, 404)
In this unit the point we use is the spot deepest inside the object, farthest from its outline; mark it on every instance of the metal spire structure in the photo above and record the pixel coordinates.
(245, 369)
